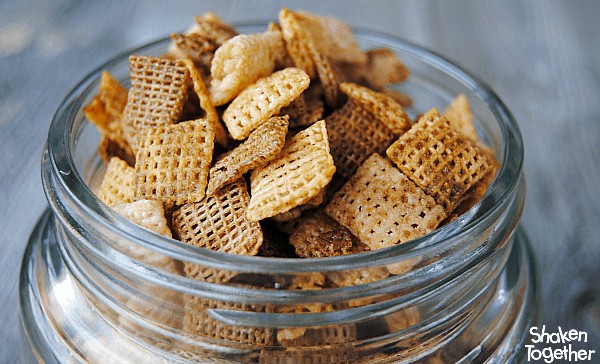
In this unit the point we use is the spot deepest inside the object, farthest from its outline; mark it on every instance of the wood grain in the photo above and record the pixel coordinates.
(541, 57)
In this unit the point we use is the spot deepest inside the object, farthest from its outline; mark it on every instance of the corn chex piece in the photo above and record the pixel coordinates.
(383, 67)
(263, 99)
(241, 61)
(354, 135)
(118, 183)
(318, 235)
(219, 222)
(383, 107)
(459, 114)
(300, 171)
(382, 207)
(157, 94)
(146, 213)
(262, 145)
(173, 161)
(440, 160)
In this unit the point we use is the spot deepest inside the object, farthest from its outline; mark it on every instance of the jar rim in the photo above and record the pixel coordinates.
(60, 149)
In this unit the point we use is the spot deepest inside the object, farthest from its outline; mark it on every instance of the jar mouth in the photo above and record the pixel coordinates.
(68, 121)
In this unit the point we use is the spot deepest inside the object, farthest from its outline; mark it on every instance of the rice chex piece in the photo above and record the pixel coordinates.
(263, 99)
(241, 61)
(219, 222)
(458, 112)
(173, 161)
(157, 94)
(118, 183)
(146, 213)
(354, 135)
(262, 145)
(383, 67)
(382, 106)
(318, 235)
(299, 173)
(440, 160)
(382, 207)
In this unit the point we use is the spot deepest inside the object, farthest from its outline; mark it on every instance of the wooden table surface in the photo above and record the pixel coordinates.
(541, 57)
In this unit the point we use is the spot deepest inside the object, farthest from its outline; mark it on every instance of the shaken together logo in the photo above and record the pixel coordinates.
(560, 345)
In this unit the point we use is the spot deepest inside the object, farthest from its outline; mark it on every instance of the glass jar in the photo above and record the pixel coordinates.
(96, 288)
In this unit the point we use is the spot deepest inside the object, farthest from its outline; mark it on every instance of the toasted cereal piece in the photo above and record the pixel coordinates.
(207, 274)
(400, 97)
(196, 47)
(118, 183)
(112, 94)
(332, 37)
(262, 145)
(212, 27)
(297, 112)
(108, 148)
(297, 211)
(459, 114)
(241, 61)
(263, 99)
(382, 207)
(173, 161)
(298, 42)
(440, 160)
(146, 213)
(219, 222)
(206, 104)
(382, 106)
(156, 97)
(275, 243)
(357, 277)
(354, 135)
(300, 171)
(383, 67)
(318, 235)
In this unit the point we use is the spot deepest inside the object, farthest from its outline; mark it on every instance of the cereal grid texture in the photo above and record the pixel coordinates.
(146, 213)
(355, 134)
(318, 235)
(219, 222)
(382, 207)
(173, 161)
(118, 183)
(263, 99)
(262, 145)
(440, 160)
(302, 169)
(157, 94)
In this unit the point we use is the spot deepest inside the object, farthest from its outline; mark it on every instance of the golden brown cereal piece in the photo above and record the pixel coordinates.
(354, 135)
(108, 148)
(356, 277)
(383, 67)
(382, 207)
(209, 25)
(296, 212)
(241, 61)
(440, 160)
(156, 97)
(219, 222)
(300, 171)
(112, 94)
(146, 213)
(329, 80)
(318, 235)
(208, 274)
(206, 105)
(298, 43)
(332, 37)
(298, 113)
(263, 99)
(400, 97)
(382, 106)
(460, 116)
(196, 47)
(173, 161)
(262, 145)
(118, 183)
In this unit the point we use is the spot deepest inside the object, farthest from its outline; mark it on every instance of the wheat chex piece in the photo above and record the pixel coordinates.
(298, 113)
(383, 67)
(382, 207)
(382, 106)
(299, 173)
(118, 183)
(157, 95)
(458, 112)
(212, 27)
(196, 47)
(241, 61)
(263, 99)
(318, 235)
(439, 159)
(219, 222)
(262, 145)
(173, 161)
(146, 213)
(354, 134)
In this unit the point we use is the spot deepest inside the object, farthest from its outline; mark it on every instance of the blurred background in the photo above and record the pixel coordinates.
(541, 57)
